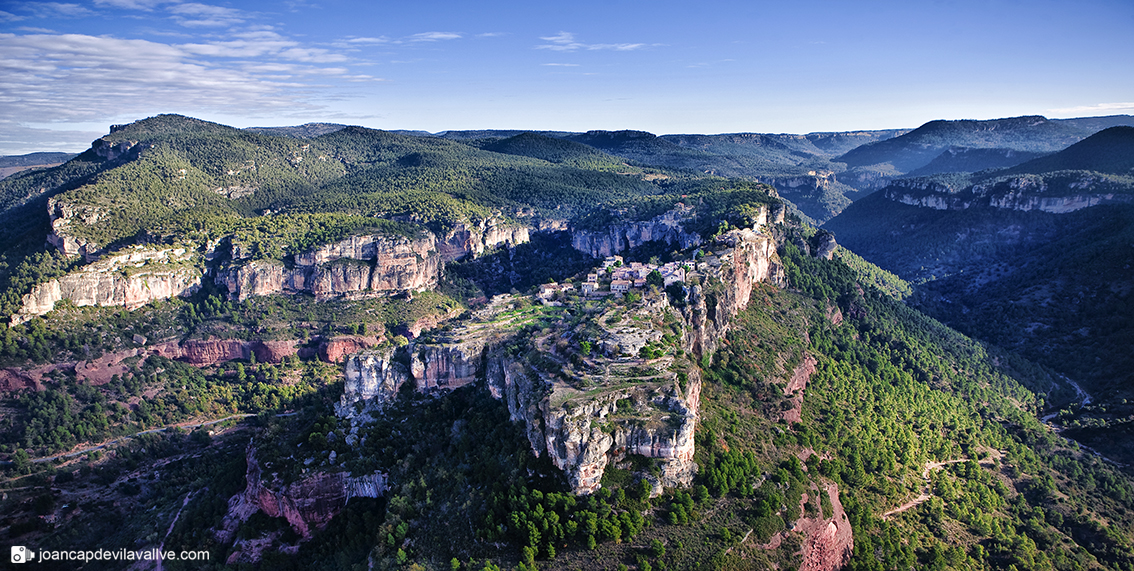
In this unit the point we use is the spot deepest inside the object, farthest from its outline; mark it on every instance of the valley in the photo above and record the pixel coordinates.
(329, 347)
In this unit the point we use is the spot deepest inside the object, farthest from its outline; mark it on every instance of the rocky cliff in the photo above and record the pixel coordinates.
(358, 266)
(63, 216)
(372, 378)
(472, 239)
(308, 504)
(621, 236)
(586, 411)
(1053, 194)
(130, 278)
(749, 257)
(583, 432)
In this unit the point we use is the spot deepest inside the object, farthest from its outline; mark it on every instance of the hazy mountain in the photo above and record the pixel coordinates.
(964, 159)
(13, 164)
(1034, 257)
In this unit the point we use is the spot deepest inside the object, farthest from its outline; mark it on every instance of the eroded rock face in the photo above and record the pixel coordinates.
(337, 349)
(360, 266)
(372, 378)
(446, 366)
(656, 420)
(473, 239)
(584, 423)
(1024, 193)
(709, 309)
(130, 278)
(666, 228)
(307, 504)
(825, 245)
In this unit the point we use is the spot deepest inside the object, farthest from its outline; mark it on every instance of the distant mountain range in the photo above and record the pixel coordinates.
(1036, 257)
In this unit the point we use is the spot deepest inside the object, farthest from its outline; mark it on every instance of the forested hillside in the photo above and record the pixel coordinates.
(404, 351)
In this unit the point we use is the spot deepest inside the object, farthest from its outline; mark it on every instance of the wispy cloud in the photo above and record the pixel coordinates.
(41, 73)
(133, 4)
(565, 42)
(560, 64)
(55, 10)
(434, 36)
(1097, 108)
(261, 44)
(9, 17)
(366, 41)
(192, 14)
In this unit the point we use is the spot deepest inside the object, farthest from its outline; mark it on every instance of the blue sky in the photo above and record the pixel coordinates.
(70, 69)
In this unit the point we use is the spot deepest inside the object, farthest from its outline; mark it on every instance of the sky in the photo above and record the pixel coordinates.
(68, 70)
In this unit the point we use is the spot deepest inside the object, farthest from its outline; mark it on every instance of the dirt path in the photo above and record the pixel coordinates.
(926, 493)
(191, 425)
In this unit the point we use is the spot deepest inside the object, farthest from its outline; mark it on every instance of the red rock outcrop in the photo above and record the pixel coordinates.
(827, 543)
(307, 504)
(15, 380)
(336, 349)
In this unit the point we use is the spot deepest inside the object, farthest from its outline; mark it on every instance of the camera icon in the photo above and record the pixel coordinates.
(21, 554)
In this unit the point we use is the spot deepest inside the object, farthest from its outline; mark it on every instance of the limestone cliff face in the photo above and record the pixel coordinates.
(307, 504)
(1034, 193)
(373, 378)
(1055, 195)
(814, 181)
(583, 437)
(582, 430)
(927, 194)
(446, 366)
(360, 266)
(473, 239)
(131, 278)
(625, 235)
(750, 258)
(62, 216)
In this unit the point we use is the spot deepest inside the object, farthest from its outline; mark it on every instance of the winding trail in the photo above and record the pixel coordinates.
(926, 493)
(194, 425)
(92, 448)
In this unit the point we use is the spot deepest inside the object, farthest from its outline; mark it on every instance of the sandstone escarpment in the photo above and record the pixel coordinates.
(308, 504)
(131, 278)
(621, 236)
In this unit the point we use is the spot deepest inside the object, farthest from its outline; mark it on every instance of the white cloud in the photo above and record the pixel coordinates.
(9, 17)
(133, 4)
(1098, 108)
(367, 41)
(75, 78)
(434, 36)
(192, 14)
(565, 42)
(263, 43)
